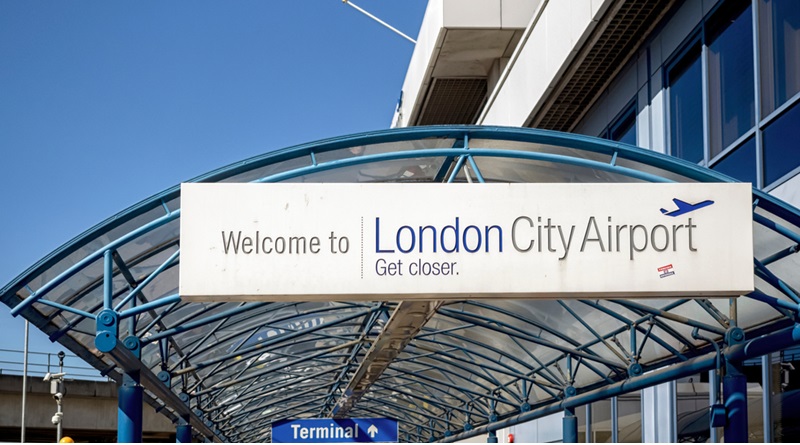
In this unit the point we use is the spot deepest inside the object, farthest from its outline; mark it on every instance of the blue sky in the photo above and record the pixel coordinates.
(104, 103)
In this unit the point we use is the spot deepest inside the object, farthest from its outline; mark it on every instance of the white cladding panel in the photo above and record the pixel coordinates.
(457, 241)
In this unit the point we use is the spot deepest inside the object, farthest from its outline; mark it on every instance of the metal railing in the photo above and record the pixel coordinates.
(40, 363)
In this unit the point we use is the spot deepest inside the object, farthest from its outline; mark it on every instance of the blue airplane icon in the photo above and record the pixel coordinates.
(685, 207)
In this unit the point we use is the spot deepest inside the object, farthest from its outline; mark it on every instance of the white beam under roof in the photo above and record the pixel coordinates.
(460, 39)
(407, 320)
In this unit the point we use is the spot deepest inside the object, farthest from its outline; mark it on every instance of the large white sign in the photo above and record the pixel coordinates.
(464, 241)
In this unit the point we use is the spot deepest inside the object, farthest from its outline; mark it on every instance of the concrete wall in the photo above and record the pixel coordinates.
(87, 406)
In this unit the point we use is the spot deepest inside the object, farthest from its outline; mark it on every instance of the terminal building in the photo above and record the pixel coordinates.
(591, 92)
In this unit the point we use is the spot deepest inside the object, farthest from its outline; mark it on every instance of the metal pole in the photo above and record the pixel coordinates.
(129, 412)
(59, 400)
(570, 426)
(380, 21)
(713, 392)
(614, 419)
(734, 386)
(183, 434)
(766, 395)
(588, 434)
(24, 379)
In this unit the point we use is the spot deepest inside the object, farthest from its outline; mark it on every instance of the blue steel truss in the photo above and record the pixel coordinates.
(232, 369)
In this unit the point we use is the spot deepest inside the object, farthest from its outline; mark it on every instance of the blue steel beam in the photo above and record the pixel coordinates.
(454, 362)
(527, 321)
(421, 153)
(493, 326)
(775, 282)
(677, 371)
(163, 301)
(129, 363)
(413, 381)
(781, 339)
(757, 347)
(470, 132)
(273, 368)
(240, 415)
(781, 254)
(277, 339)
(188, 326)
(438, 403)
(550, 380)
(91, 286)
(477, 171)
(584, 143)
(89, 259)
(412, 391)
(586, 325)
(774, 302)
(68, 309)
(529, 377)
(544, 370)
(481, 152)
(524, 377)
(669, 316)
(280, 377)
(764, 221)
(147, 280)
(269, 390)
(476, 396)
(639, 321)
(734, 387)
(459, 165)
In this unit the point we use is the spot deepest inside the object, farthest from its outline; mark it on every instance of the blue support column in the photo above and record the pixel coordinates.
(491, 437)
(734, 388)
(570, 426)
(183, 433)
(129, 413)
(614, 420)
(734, 391)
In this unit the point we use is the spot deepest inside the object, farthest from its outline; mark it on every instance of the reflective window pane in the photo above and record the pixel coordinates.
(730, 76)
(601, 422)
(740, 163)
(629, 414)
(781, 154)
(686, 108)
(785, 395)
(692, 409)
(624, 129)
(779, 39)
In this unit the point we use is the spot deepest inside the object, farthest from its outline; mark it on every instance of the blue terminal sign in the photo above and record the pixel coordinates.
(334, 430)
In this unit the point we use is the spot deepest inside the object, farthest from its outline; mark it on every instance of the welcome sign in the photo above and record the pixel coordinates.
(464, 241)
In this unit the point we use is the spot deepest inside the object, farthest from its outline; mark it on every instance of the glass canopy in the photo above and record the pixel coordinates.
(237, 368)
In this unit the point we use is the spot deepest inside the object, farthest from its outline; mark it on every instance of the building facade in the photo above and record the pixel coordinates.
(712, 82)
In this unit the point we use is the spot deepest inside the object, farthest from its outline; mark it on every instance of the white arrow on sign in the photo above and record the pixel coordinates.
(372, 431)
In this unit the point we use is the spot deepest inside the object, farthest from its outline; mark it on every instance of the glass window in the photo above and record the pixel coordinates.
(692, 409)
(784, 395)
(730, 74)
(779, 40)
(781, 154)
(629, 413)
(740, 163)
(686, 107)
(624, 128)
(601, 422)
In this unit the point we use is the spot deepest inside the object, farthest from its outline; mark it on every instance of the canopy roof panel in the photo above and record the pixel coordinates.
(235, 368)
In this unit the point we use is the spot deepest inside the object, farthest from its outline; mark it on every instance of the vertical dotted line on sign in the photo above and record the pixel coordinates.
(362, 247)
